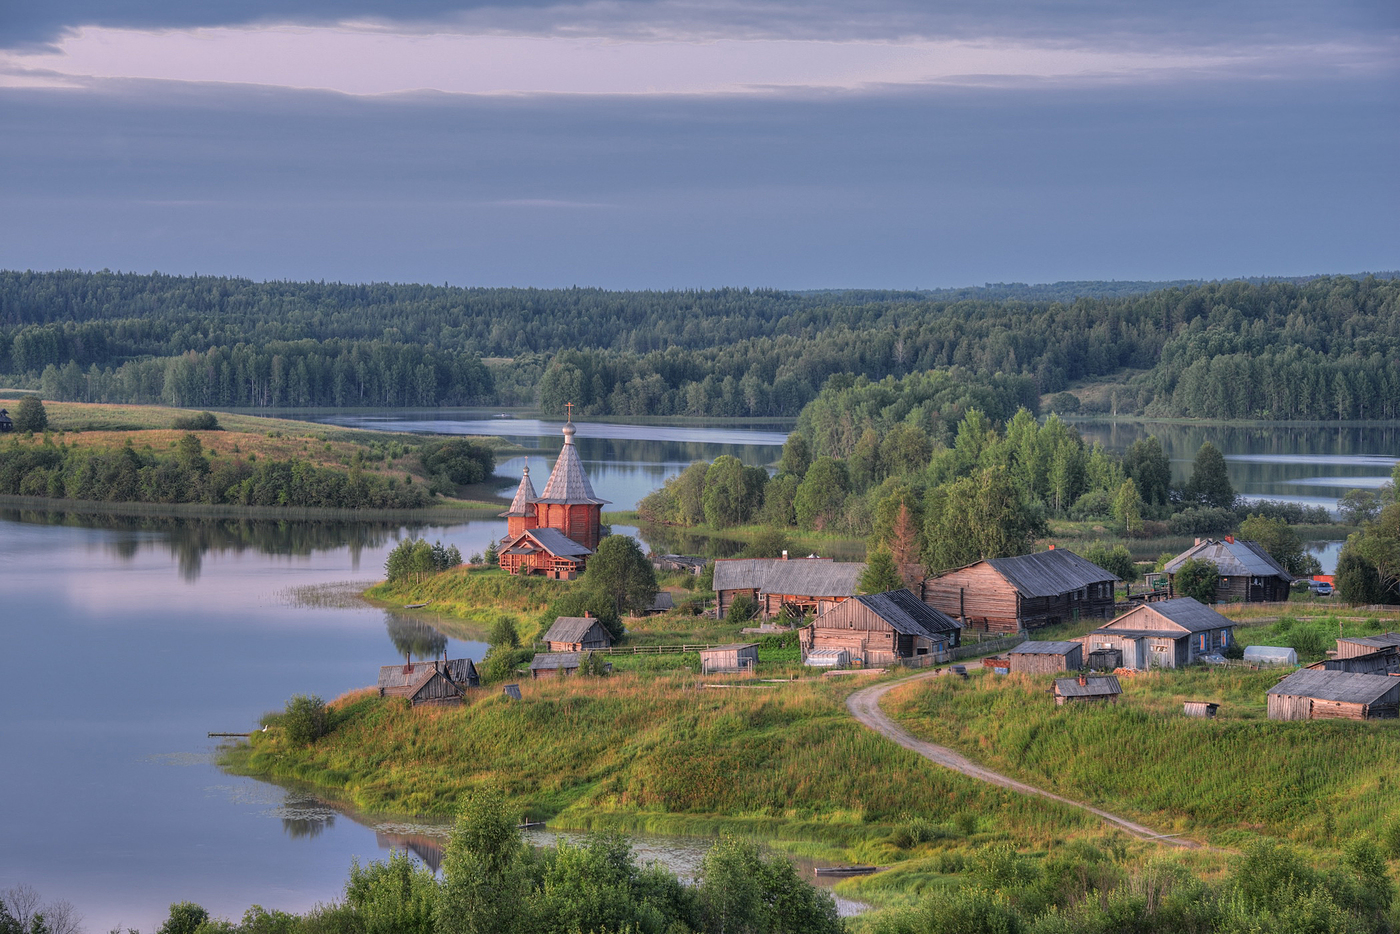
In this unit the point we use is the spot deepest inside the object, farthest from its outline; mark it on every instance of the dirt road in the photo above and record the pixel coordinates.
(865, 707)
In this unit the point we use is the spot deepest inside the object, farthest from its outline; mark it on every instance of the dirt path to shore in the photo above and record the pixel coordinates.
(864, 705)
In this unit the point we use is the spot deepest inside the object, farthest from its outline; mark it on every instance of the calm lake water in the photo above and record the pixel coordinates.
(127, 640)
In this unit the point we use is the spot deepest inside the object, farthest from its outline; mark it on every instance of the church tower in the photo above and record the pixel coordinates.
(568, 502)
(522, 513)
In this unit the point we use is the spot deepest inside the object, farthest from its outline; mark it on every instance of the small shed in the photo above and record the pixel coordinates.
(1105, 659)
(577, 634)
(662, 603)
(511, 691)
(554, 664)
(1199, 708)
(828, 658)
(740, 656)
(1380, 662)
(434, 683)
(1365, 645)
(1270, 655)
(6, 423)
(1038, 658)
(1334, 695)
(1086, 690)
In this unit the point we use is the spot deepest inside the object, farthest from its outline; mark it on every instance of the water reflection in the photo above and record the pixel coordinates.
(414, 638)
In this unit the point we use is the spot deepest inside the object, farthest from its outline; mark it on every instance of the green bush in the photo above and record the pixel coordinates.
(30, 415)
(305, 719)
(203, 421)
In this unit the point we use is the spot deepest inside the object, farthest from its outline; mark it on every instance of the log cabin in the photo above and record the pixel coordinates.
(1022, 593)
(1246, 572)
(791, 588)
(1041, 658)
(883, 629)
(1166, 634)
(577, 634)
(1334, 695)
(434, 683)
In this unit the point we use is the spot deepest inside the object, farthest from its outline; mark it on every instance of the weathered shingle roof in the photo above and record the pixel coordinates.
(1384, 640)
(524, 496)
(908, 614)
(548, 660)
(1094, 687)
(1345, 686)
(1045, 648)
(1234, 559)
(731, 647)
(571, 629)
(811, 577)
(1050, 573)
(662, 602)
(568, 483)
(555, 542)
(460, 670)
(1186, 612)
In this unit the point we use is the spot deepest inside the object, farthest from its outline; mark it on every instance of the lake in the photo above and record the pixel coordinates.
(128, 639)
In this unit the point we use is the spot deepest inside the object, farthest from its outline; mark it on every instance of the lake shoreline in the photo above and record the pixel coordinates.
(233, 511)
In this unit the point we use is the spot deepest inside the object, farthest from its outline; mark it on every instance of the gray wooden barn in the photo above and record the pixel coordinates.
(882, 629)
(434, 683)
(1023, 592)
(577, 634)
(1334, 695)
(1040, 658)
(737, 657)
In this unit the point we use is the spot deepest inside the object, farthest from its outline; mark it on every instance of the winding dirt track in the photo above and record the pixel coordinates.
(864, 705)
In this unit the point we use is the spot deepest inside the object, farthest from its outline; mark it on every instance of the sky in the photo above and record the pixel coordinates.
(681, 144)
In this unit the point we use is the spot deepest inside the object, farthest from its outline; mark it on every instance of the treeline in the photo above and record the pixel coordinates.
(1326, 348)
(128, 475)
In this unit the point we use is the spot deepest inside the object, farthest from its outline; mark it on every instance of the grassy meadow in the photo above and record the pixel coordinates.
(1226, 780)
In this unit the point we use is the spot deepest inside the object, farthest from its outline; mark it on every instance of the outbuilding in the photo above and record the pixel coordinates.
(884, 628)
(6, 423)
(737, 657)
(1205, 710)
(434, 683)
(577, 634)
(554, 664)
(1334, 695)
(1382, 661)
(1349, 646)
(1166, 634)
(1039, 658)
(792, 588)
(1023, 592)
(1270, 655)
(1087, 690)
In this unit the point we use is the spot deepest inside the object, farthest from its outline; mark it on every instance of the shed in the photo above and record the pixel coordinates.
(1038, 658)
(691, 564)
(792, 588)
(1334, 695)
(1165, 634)
(740, 656)
(554, 664)
(511, 691)
(883, 628)
(1104, 659)
(1380, 662)
(1270, 655)
(662, 603)
(1086, 690)
(1198, 708)
(577, 634)
(1023, 592)
(1246, 572)
(435, 682)
(1365, 645)
(827, 658)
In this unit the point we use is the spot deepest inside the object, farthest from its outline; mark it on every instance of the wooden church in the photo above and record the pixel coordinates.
(553, 533)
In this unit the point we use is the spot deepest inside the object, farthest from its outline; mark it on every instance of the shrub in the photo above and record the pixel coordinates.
(1197, 578)
(1096, 504)
(743, 609)
(30, 415)
(203, 421)
(305, 720)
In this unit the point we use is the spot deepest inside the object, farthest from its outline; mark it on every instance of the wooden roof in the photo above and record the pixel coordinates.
(808, 577)
(1382, 641)
(1344, 686)
(415, 674)
(547, 660)
(1045, 648)
(574, 629)
(1046, 573)
(551, 540)
(568, 484)
(1233, 559)
(731, 647)
(1093, 687)
(1183, 613)
(908, 614)
(524, 496)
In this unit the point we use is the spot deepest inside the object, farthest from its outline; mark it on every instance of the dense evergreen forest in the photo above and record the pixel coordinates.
(1326, 348)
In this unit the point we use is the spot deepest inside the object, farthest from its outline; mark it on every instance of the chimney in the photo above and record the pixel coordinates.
(1083, 681)
(587, 614)
(1052, 547)
(1198, 541)
(784, 554)
(1230, 539)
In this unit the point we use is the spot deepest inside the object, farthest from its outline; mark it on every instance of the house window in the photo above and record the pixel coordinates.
(1205, 641)
(1224, 638)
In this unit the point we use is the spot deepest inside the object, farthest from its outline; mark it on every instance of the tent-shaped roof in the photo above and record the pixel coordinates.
(1093, 687)
(568, 484)
(1045, 648)
(1234, 559)
(1050, 573)
(908, 614)
(551, 540)
(1345, 686)
(548, 660)
(524, 496)
(813, 577)
(573, 629)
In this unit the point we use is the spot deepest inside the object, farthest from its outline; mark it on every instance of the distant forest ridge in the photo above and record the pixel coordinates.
(1310, 348)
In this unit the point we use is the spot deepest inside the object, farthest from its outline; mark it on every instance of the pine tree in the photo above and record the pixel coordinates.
(880, 574)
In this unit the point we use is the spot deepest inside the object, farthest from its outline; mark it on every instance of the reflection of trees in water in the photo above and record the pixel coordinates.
(188, 539)
(306, 828)
(414, 637)
(669, 539)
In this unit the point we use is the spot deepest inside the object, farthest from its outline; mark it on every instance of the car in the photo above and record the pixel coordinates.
(1320, 588)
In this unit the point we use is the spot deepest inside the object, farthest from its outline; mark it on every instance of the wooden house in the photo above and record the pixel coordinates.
(882, 629)
(554, 532)
(6, 423)
(1087, 690)
(577, 634)
(792, 588)
(1247, 573)
(1334, 695)
(1350, 646)
(435, 683)
(1167, 634)
(740, 656)
(554, 664)
(1025, 592)
(1039, 658)
(1382, 661)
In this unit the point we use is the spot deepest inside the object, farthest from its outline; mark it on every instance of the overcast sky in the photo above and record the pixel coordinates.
(667, 143)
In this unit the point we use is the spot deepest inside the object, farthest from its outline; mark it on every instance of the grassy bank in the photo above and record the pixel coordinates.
(1230, 779)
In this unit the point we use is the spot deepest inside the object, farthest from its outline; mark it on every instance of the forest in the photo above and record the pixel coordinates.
(1320, 349)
